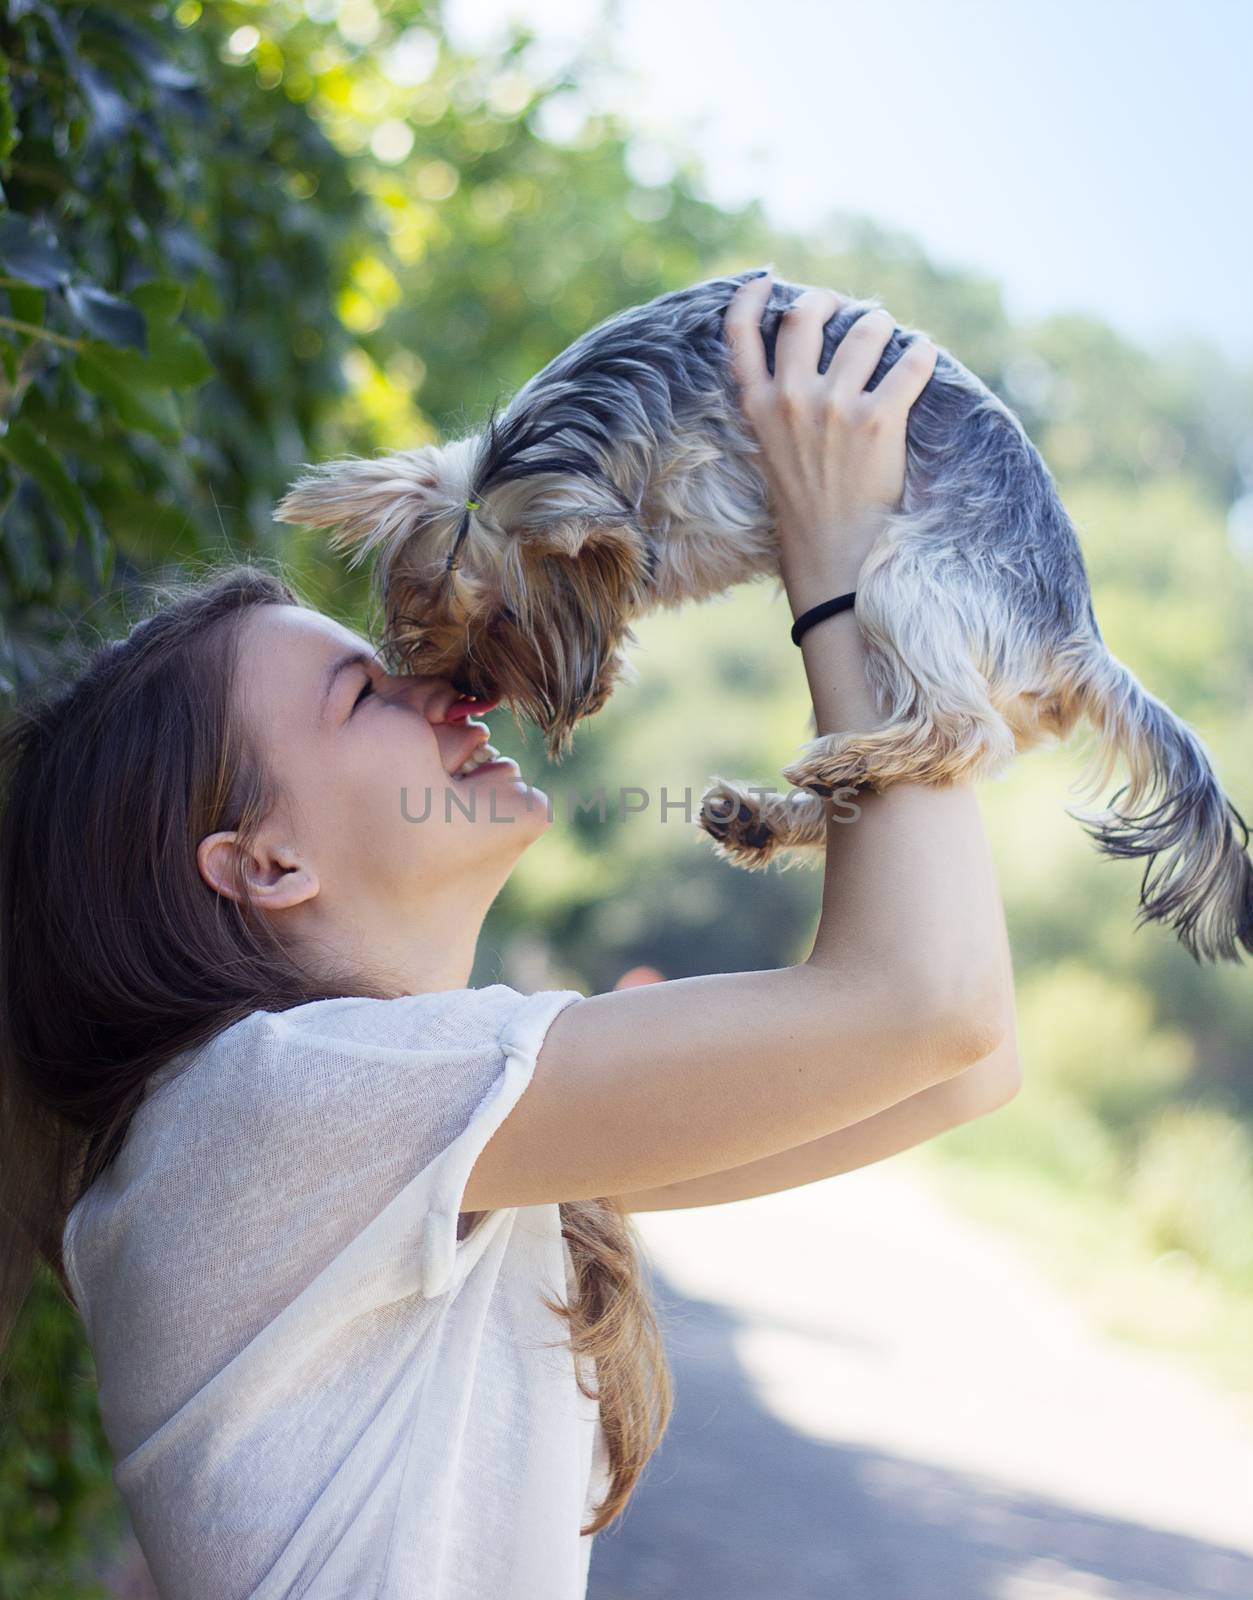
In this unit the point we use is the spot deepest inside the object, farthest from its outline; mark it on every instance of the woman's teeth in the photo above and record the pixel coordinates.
(484, 754)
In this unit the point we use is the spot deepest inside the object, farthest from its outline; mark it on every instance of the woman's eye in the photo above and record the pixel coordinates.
(366, 689)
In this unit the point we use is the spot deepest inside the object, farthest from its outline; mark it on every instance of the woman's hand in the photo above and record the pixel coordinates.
(834, 454)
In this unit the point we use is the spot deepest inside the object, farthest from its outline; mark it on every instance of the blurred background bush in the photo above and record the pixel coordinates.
(239, 237)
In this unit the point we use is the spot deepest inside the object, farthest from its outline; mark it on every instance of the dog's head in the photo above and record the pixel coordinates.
(509, 568)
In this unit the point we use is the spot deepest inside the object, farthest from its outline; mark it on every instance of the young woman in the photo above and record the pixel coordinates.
(324, 1208)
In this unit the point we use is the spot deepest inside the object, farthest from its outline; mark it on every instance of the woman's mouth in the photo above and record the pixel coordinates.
(486, 755)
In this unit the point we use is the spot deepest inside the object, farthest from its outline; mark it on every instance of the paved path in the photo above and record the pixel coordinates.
(877, 1399)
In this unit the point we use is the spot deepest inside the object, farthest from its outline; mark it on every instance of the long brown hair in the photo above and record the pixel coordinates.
(115, 956)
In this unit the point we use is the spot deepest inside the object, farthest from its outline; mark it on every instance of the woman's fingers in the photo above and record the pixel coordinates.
(742, 330)
(798, 348)
(860, 352)
(909, 376)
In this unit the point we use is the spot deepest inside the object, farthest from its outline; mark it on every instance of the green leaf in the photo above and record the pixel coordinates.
(150, 410)
(179, 359)
(23, 446)
(28, 304)
(160, 299)
(176, 360)
(105, 316)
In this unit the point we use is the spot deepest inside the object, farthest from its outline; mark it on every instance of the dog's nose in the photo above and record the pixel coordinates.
(476, 698)
(469, 708)
(465, 684)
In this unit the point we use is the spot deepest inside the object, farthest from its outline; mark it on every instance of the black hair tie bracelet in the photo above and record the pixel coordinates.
(818, 613)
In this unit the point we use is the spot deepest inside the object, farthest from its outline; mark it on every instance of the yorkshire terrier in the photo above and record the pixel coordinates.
(624, 476)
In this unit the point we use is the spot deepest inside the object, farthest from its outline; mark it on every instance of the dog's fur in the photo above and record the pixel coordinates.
(624, 477)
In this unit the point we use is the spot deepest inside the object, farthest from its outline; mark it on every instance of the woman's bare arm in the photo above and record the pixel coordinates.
(879, 868)
(980, 1089)
(983, 1088)
(991, 1082)
(650, 1086)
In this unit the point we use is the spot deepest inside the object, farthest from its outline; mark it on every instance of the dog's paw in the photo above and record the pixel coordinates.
(828, 770)
(929, 749)
(733, 819)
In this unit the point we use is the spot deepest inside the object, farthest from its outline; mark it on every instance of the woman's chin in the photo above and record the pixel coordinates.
(527, 798)
(508, 793)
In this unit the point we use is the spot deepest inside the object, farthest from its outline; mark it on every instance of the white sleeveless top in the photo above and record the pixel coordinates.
(314, 1382)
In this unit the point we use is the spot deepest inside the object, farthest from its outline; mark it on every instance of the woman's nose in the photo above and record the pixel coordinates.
(421, 691)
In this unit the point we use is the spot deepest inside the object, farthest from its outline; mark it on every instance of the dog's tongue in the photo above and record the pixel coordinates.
(470, 708)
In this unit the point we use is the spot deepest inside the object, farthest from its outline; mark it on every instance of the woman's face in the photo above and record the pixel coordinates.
(376, 841)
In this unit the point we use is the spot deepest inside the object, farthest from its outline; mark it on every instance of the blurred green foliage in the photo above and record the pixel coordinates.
(166, 342)
(59, 1512)
(242, 237)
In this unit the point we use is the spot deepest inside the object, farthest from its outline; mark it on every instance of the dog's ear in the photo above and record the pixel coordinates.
(560, 513)
(574, 536)
(610, 560)
(375, 503)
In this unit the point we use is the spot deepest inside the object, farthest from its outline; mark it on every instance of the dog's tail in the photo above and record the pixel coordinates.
(1198, 879)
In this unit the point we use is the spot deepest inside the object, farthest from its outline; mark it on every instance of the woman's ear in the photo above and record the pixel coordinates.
(272, 878)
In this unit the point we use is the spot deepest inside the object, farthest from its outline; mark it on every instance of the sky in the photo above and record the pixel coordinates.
(1088, 155)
